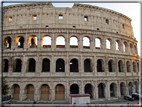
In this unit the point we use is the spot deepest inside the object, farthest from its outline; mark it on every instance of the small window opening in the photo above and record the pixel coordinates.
(60, 17)
(107, 22)
(85, 18)
(116, 32)
(34, 17)
(97, 28)
(73, 27)
(123, 26)
(46, 26)
(10, 19)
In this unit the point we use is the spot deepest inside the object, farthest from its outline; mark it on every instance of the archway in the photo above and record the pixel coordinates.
(89, 90)
(74, 65)
(101, 90)
(16, 92)
(44, 92)
(74, 89)
(113, 90)
(60, 92)
(122, 89)
(30, 92)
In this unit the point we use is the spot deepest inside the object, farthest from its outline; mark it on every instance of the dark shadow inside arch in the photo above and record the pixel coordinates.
(32, 65)
(60, 65)
(122, 89)
(5, 65)
(99, 66)
(8, 42)
(74, 89)
(46, 65)
(21, 42)
(18, 65)
(87, 66)
(88, 90)
(74, 65)
(101, 90)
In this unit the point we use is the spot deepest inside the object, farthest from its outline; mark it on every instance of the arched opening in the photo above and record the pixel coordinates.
(5, 65)
(60, 92)
(98, 43)
(138, 66)
(16, 92)
(120, 66)
(46, 42)
(131, 48)
(113, 90)
(60, 42)
(44, 92)
(128, 66)
(136, 87)
(73, 42)
(125, 47)
(18, 65)
(118, 45)
(19, 42)
(130, 85)
(111, 66)
(7, 43)
(74, 89)
(46, 65)
(60, 65)
(134, 67)
(100, 65)
(32, 43)
(30, 92)
(32, 65)
(74, 65)
(135, 49)
(108, 43)
(101, 90)
(122, 89)
(86, 42)
(89, 90)
(87, 66)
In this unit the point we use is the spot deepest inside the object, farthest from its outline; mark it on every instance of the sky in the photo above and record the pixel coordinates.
(132, 10)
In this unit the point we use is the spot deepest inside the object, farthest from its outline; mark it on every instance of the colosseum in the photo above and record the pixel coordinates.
(50, 53)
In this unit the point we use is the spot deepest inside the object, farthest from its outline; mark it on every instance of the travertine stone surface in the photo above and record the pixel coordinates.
(23, 25)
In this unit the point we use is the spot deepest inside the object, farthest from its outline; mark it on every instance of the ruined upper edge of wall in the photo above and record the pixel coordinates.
(76, 5)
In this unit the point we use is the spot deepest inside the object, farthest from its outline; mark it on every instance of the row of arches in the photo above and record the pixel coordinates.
(45, 90)
(60, 43)
(74, 65)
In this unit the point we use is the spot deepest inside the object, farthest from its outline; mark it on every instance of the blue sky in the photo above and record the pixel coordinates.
(132, 10)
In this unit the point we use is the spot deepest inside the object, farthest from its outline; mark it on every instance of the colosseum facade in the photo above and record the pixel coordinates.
(103, 61)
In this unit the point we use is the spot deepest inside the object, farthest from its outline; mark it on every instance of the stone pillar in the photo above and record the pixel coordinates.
(26, 41)
(23, 92)
(96, 90)
(82, 87)
(92, 43)
(10, 66)
(116, 66)
(103, 44)
(80, 43)
(95, 65)
(81, 67)
(127, 88)
(53, 65)
(125, 67)
(52, 92)
(67, 66)
(67, 92)
(93, 91)
(67, 42)
(53, 40)
(24, 67)
(121, 47)
(37, 92)
(128, 47)
(133, 50)
(118, 89)
(39, 41)
(13, 42)
(107, 91)
(113, 45)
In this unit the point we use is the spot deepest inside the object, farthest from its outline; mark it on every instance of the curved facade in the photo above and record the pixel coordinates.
(49, 52)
